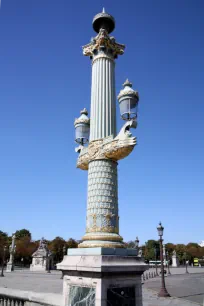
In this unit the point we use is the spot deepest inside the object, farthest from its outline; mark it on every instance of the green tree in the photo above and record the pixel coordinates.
(23, 233)
(4, 241)
(71, 243)
(170, 247)
(24, 250)
(180, 250)
(56, 247)
(150, 247)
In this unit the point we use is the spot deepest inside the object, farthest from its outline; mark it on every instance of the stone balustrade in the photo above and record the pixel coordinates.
(12, 297)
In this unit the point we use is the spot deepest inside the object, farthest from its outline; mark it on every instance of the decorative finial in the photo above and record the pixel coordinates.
(127, 83)
(105, 21)
(84, 112)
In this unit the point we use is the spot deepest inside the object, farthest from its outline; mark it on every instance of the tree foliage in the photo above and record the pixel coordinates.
(25, 247)
(151, 250)
(23, 233)
(56, 247)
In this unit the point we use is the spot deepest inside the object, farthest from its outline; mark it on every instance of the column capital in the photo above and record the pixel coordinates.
(103, 43)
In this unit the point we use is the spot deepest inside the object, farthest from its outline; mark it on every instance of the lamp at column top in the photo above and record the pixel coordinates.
(160, 230)
(128, 101)
(82, 128)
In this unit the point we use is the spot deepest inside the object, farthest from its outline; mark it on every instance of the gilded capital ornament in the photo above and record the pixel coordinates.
(105, 43)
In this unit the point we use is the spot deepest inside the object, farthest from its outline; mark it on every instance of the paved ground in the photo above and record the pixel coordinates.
(33, 281)
(182, 270)
(187, 287)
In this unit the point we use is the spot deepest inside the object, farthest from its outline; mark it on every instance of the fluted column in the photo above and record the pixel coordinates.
(103, 108)
(102, 220)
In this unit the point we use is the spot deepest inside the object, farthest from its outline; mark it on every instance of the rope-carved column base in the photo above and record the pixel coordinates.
(102, 208)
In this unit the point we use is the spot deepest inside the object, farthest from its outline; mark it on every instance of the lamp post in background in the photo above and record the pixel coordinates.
(3, 258)
(163, 292)
(48, 261)
(186, 263)
(22, 262)
(155, 253)
(137, 244)
(167, 255)
(64, 253)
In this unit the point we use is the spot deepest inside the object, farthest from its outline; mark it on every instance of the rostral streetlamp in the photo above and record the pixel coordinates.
(105, 149)
(163, 292)
(102, 250)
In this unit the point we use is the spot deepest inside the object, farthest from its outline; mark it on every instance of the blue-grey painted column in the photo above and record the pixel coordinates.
(102, 220)
(103, 106)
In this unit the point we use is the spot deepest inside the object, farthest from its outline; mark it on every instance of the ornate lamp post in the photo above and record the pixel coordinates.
(105, 148)
(155, 253)
(3, 259)
(163, 292)
(186, 263)
(167, 255)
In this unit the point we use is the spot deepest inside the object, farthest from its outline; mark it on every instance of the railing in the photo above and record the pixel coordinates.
(6, 300)
(13, 297)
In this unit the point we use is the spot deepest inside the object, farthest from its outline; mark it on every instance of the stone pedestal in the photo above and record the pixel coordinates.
(175, 261)
(41, 258)
(9, 267)
(38, 264)
(101, 277)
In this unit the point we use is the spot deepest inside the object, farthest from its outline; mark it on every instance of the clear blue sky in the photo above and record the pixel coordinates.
(44, 83)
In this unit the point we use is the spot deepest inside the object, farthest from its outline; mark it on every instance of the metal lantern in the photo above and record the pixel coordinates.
(160, 230)
(82, 127)
(128, 101)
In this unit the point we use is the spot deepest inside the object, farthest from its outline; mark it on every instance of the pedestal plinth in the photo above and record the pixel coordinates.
(175, 261)
(102, 277)
(9, 267)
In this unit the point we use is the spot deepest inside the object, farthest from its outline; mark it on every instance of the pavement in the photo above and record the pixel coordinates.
(185, 289)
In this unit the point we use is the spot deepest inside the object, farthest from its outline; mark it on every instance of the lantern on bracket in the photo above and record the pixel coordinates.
(82, 128)
(128, 101)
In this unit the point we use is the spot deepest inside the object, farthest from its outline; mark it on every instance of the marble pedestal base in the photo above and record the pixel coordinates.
(175, 261)
(102, 280)
(9, 267)
(37, 268)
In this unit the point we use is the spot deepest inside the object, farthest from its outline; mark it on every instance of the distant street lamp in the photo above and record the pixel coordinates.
(155, 253)
(64, 253)
(137, 244)
(167, 255)
(3, 258)
(163, 292)
(48, 261)
(22, 262)
(186, 263)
